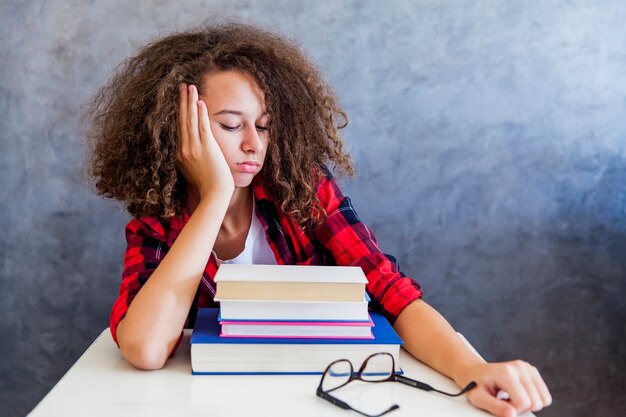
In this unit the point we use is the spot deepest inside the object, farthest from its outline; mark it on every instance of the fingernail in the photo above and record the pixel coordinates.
(181, 88)
(190, 88)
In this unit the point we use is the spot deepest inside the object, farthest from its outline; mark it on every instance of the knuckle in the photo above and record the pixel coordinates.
(510, 369)
(524, 404)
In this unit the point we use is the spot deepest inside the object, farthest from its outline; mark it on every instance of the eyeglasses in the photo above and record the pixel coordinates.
(379, 367)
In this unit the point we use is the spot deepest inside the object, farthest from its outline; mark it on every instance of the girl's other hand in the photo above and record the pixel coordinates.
(520, 380)
(198, 153)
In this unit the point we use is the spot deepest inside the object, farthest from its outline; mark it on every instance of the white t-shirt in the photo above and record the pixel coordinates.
(256, 248)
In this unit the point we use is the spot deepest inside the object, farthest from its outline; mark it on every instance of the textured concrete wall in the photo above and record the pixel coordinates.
(491, 133)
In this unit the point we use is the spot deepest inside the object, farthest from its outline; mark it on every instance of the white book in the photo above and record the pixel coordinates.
(279, 310)
(290, 282)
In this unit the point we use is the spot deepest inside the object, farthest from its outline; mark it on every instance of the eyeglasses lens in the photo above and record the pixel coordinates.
(378, 368)
(338, 375)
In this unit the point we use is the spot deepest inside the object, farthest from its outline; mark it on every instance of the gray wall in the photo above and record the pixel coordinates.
(489, 140)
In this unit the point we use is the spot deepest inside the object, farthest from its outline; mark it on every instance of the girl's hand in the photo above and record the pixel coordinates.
(200, 157)
(521, 380)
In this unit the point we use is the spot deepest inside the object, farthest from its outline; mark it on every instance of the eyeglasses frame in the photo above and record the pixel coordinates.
(393, 377)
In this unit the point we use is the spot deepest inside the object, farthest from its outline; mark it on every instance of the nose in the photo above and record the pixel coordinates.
(252, 141)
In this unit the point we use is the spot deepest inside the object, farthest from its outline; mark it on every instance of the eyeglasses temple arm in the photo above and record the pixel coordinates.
(336, 401)
(426, 387)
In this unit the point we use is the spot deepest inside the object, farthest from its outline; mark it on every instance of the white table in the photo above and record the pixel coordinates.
(102, 383)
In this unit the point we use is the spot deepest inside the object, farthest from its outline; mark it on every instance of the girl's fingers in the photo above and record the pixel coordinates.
(192, 116)
(536, 403)
(205, 124)
(544, 392)
(521, 381)
(511, 383)
(482, 399)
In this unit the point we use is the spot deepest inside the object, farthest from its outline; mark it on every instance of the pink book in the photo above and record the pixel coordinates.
(299, 329)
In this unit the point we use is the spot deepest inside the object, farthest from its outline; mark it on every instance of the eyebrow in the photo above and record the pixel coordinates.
(235, 112)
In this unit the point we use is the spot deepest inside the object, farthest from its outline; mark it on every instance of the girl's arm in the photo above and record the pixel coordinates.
(431, 339)
(155, 318)
(426, 334)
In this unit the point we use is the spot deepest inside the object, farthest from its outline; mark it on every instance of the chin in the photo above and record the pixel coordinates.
(243, 182)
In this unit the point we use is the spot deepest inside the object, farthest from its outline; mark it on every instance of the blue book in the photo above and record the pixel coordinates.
(212, 354)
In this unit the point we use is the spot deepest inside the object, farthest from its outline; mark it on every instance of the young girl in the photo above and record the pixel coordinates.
(218, 142)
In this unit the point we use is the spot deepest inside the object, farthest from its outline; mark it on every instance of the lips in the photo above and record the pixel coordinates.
(249, 166)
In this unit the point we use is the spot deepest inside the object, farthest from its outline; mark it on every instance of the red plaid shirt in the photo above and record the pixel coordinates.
(342, 239)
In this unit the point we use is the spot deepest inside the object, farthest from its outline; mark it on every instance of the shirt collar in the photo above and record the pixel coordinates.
(258, 190)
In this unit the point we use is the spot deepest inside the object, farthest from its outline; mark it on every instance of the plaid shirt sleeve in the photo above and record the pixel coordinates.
(147, 246)
(350, 242)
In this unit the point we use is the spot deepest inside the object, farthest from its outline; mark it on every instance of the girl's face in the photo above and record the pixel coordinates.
(238, 118)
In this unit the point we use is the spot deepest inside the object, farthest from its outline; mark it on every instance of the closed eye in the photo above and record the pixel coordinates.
(230, 128)
(263, 128)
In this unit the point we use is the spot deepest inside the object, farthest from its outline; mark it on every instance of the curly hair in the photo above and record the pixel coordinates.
(133, 120)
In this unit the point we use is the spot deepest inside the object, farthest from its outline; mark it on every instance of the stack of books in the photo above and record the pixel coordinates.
(293, 301)
(288, 320)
